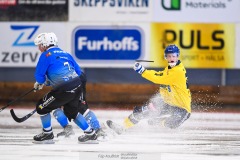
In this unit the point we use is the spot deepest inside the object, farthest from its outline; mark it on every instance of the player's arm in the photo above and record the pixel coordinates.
(154, 76)
(76, 66)
(159, 77)
(41, 69)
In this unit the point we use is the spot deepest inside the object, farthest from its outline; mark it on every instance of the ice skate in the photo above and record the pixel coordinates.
(101, 135)
(116, 127)
(66, 133)
(89, 137)
(44, 138)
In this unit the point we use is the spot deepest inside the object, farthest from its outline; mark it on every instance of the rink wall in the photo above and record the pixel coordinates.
(136, 29)
(116, 94)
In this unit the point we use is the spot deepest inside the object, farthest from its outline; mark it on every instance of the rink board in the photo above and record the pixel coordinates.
(204, 136)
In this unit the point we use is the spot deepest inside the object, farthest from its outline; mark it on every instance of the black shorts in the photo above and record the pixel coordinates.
(58, 97)
(83, 105)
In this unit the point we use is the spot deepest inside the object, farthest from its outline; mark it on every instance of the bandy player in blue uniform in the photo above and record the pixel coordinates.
(58, 69)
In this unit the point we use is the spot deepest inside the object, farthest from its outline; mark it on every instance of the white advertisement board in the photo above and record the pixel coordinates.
(17, 47)
(110, 10)
(204, 11)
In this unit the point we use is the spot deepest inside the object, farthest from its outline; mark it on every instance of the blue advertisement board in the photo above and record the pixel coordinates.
(108, 43)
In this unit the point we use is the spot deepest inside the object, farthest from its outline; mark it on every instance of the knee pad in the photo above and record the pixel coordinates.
(140, 112)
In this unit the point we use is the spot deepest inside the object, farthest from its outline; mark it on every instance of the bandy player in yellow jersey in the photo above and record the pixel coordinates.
(172, 105)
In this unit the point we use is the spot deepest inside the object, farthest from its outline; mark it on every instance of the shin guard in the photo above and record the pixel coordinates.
(91, 119)
(60, 117)
(130, 121)
(81, 122)
(46, 122)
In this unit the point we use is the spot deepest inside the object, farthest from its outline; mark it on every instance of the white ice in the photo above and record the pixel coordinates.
(205, 136)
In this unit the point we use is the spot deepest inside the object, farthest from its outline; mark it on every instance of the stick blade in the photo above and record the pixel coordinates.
(19, 120)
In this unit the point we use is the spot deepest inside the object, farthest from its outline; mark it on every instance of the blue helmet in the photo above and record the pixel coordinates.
(171, 49)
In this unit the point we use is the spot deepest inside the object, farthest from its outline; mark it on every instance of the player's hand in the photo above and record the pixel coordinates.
(138, 68)
(38, 86)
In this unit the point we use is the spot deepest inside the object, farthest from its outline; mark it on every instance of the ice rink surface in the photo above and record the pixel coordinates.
(205, 136)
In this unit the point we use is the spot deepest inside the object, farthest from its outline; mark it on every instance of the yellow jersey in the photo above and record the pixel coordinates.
(173, 85)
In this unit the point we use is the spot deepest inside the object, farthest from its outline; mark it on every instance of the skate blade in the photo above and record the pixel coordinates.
(66, 137)
(89, 142)
(44, 142)
(110, 132)
(103, 138)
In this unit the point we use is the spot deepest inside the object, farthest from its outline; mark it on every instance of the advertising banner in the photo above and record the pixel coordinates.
(201, 45)
(5, 3)
(91, 46)
(17, 47)
(110, 10)
(109, 45)
(207, 11)
(34, 10)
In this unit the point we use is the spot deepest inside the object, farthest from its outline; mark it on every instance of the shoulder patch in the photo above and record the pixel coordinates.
(48, 54)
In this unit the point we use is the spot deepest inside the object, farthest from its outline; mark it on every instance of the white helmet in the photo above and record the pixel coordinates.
(46, 39)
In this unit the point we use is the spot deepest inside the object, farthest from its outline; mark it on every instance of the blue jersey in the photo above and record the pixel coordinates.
(57, 66)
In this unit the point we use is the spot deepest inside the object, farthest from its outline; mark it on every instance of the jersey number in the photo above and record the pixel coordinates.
(67, 64)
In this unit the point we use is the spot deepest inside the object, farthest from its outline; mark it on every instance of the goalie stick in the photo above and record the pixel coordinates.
(24, 118)
(16, 99)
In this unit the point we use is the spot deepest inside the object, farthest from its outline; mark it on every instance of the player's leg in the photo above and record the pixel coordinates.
(151, 109)
(89, 133)
(62, 118)
(170, 117)
(88, 114)
(71, 110)
(178, 116)
(47, 104)
(68, 129)
(63, 121)
(92, 119)
(46, 136)
(139, 113)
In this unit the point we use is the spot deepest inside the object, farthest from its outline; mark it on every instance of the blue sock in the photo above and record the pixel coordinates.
(91, 119)
(46, 122)
(60, 117)
(81, 122)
